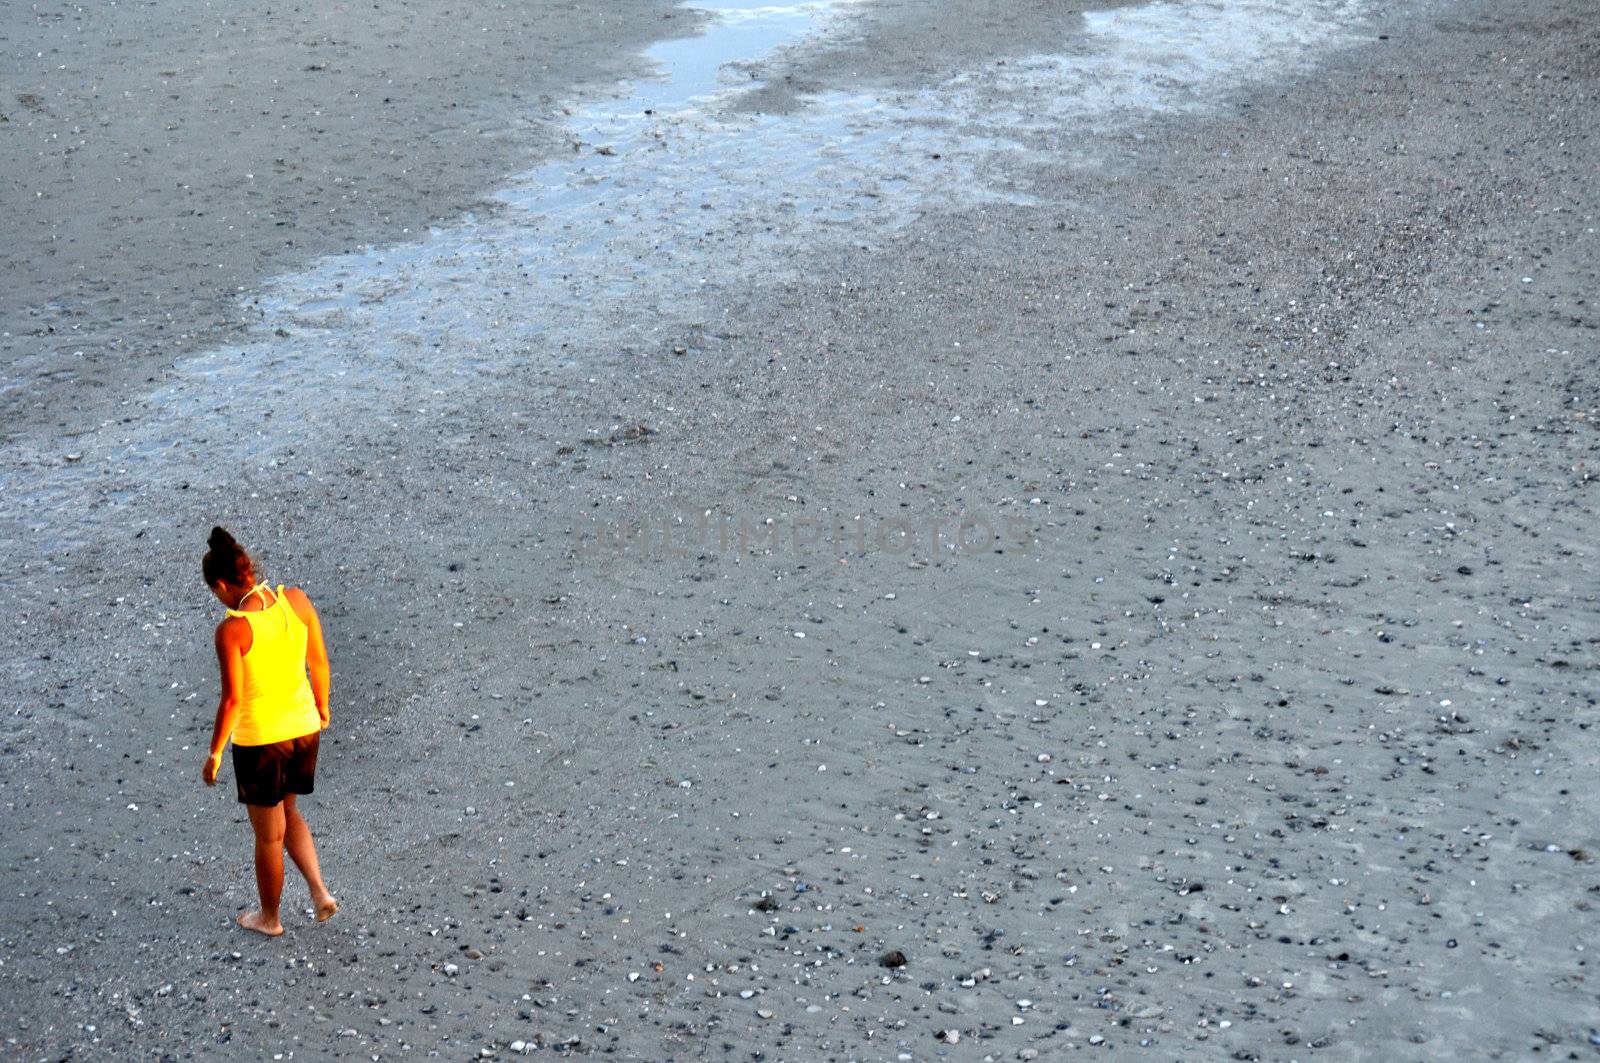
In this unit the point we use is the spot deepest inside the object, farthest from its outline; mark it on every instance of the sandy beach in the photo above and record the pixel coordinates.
(1103, 561)
(160, 160)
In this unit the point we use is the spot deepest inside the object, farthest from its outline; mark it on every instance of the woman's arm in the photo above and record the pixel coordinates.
(316, 650)
(230, 659)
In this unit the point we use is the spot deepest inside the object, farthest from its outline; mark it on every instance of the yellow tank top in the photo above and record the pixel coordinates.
(278, 704)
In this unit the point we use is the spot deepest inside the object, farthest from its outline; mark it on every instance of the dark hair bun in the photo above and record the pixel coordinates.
(226, 560)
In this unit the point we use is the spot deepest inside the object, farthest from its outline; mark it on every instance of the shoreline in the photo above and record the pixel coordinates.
(188, 180)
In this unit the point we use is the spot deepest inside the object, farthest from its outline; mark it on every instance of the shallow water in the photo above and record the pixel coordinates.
(666, 190)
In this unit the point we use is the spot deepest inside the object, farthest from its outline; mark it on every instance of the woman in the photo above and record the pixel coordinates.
(275, 715)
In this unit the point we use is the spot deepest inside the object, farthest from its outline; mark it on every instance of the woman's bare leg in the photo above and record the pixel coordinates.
(303, 851)
(267, 823)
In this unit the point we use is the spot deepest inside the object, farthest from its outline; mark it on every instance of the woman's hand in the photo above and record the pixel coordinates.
(209, 772)
(322, 712)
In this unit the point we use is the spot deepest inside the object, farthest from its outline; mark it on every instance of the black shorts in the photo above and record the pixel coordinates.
(266, 773)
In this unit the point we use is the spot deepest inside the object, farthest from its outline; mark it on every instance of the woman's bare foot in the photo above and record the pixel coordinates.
(325, 906)
(260, 924)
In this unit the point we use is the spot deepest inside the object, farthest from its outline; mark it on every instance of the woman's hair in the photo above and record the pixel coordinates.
(226, 560)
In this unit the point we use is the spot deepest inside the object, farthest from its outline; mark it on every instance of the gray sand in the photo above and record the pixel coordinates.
(1272, 740)
(158, 160)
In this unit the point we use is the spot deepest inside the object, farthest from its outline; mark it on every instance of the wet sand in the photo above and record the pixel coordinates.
(1262, 727)
(159, 161)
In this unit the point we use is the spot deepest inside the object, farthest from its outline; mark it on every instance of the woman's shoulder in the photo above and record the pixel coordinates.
(231, 629)
(300, 602)
(232, 622)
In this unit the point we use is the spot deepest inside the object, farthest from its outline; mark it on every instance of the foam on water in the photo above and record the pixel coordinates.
(607, 246)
